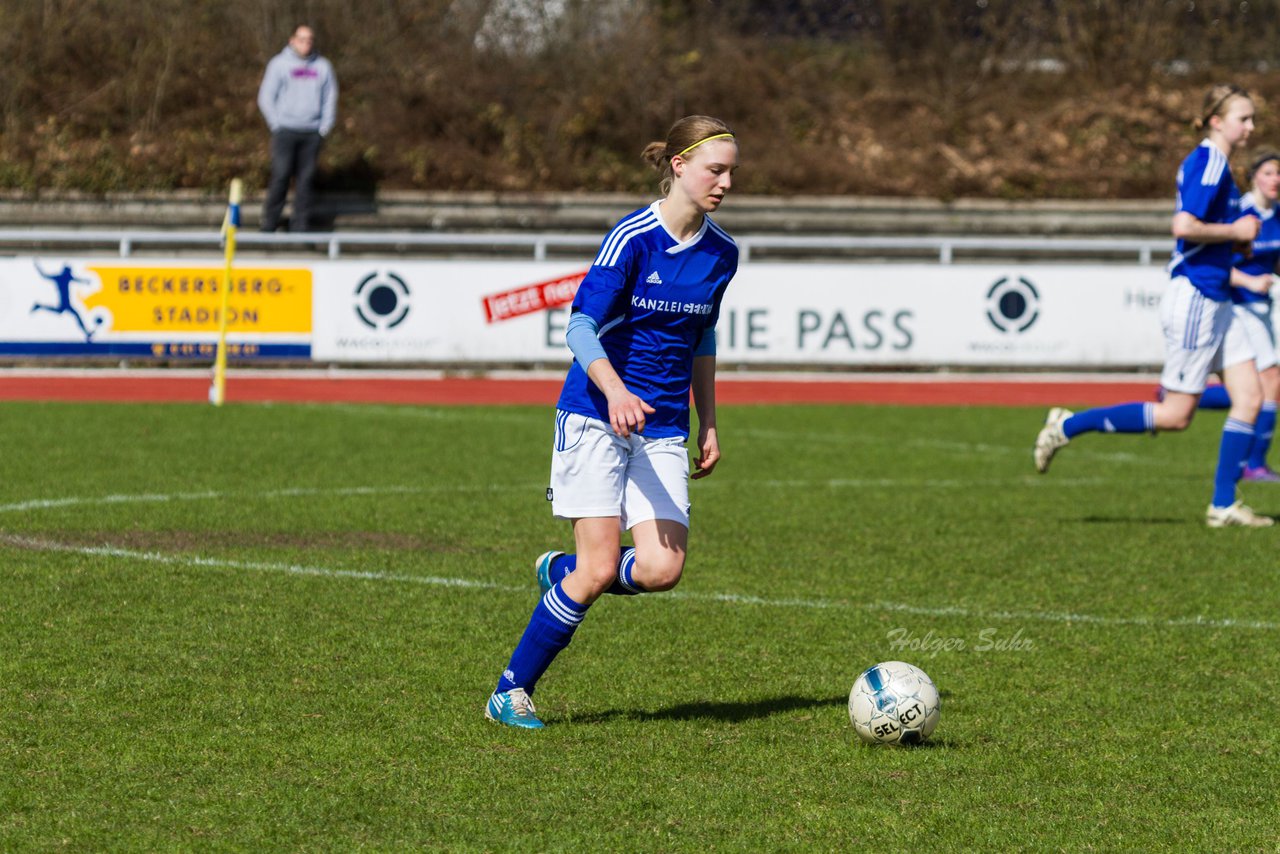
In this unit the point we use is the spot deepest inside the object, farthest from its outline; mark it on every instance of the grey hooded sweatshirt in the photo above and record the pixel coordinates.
(299, 93)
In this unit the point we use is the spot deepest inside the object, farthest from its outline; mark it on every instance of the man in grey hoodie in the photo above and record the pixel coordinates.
(299, 99)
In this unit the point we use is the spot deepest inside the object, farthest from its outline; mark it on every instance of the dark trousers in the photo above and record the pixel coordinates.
(293, 155)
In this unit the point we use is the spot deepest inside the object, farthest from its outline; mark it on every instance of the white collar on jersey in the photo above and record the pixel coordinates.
(1211, 145)
(1246, 201)
(679, 247)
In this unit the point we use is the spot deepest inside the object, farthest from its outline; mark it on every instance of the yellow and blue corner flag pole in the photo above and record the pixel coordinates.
(218, 391)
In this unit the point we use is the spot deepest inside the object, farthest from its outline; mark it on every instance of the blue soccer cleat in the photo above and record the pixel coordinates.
(513, 708)
(542, 566)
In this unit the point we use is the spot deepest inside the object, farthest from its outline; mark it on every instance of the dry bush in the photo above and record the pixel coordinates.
(941, 98)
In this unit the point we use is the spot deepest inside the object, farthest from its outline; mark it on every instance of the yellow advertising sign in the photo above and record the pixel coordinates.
(188, 299)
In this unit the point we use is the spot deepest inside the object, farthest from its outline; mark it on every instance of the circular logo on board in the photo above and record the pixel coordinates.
(1013, 304)
(382, 301)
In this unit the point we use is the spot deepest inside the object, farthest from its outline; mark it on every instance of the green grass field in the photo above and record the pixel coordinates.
(275, 627)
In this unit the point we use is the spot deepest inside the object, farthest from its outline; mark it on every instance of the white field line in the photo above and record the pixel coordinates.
(218, 563)
(296, 492)
(945, 445)
(198, 561)
(305, 492)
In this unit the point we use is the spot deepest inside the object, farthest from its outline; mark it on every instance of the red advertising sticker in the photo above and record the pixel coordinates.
(529, 299)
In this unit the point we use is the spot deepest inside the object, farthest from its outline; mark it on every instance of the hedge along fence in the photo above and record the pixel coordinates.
(940, 98)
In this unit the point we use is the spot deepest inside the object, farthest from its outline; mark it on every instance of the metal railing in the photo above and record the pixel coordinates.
(333, 243)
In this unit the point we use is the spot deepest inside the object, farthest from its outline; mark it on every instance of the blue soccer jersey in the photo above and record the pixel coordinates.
(1265, 254)
(652, 297)
(1207, 191)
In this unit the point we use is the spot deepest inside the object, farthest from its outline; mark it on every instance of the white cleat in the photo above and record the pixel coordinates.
(1238, 515)
(1051, 437)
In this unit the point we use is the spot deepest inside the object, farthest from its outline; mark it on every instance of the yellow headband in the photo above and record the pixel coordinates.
(708, 139)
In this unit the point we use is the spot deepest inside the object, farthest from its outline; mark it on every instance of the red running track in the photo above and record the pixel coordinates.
(352, 387)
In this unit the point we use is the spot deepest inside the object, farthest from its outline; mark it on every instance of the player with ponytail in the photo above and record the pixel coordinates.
(642, 334)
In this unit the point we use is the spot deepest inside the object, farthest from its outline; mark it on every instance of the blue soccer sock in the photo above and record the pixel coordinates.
(561, 566)
(1215, 397)
(1237, 439)
(623, 585)
(1124, 418)
(550, 629)
(1262, 432)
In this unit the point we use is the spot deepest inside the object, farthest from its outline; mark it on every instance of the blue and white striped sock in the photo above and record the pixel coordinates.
(1237, 439)
(623, 585)
(1262, 432)
(1124, 418)
(550, 629)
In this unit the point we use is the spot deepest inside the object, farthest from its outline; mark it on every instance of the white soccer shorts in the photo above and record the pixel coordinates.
(1251, 336)
(1195, 328)
(595, 472)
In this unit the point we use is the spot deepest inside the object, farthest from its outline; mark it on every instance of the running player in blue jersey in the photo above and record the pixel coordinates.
(642, 333)
(1196, 313)
(1251, 335)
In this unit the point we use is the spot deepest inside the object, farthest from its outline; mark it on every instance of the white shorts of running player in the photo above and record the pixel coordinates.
(1251, 336)
(595, 473)
(1201, 336)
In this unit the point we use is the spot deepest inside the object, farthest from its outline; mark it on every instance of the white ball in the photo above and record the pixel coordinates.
(894, 703)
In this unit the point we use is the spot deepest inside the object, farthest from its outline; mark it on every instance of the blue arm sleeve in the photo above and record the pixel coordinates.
(580, 335)
(706, 346)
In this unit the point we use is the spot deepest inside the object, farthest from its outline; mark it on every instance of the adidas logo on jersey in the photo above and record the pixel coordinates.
(654, 278)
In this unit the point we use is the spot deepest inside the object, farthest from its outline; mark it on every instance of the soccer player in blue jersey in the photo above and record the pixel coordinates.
(642, 334)
(1252, 335)
(1196, 313)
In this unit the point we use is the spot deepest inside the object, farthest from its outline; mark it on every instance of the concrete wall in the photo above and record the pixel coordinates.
(595, 213)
